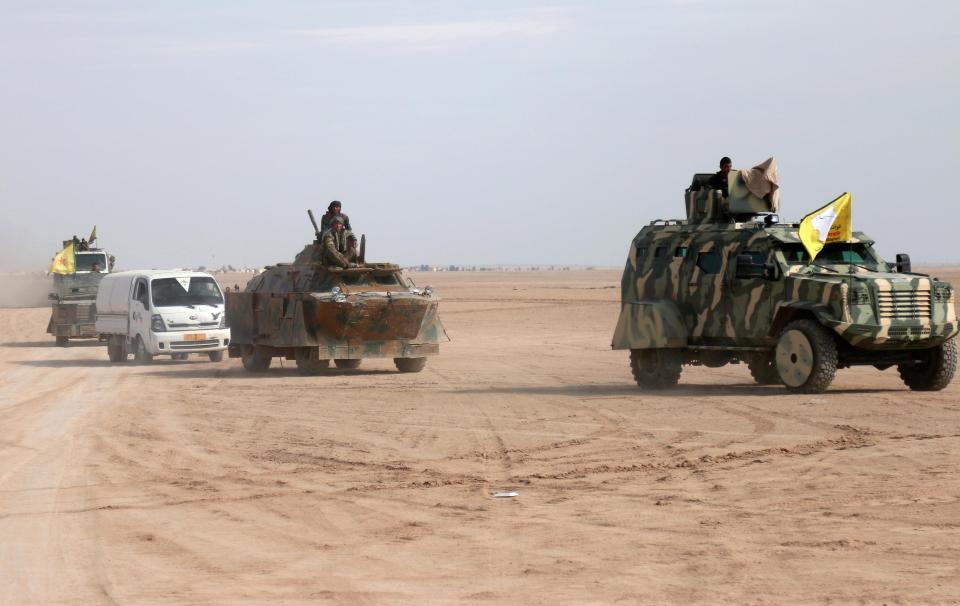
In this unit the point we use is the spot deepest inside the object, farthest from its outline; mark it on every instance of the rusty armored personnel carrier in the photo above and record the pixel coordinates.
(74, 298)
(312, 313)
(732, 284)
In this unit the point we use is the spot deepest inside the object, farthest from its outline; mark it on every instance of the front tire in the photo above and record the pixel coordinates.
(806, 357)
(348, 364)
(215, 356)
(63, 341)
(763, 369)
(255, 358)
(410, 364)
(140, 353)
(936, 372)
(179, 356)
(656, 368)
(309, 362)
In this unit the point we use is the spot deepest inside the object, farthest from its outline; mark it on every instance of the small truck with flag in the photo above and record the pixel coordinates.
(794, 301)
(76, 274)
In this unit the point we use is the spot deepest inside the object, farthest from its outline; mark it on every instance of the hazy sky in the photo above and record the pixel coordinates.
(197, 133)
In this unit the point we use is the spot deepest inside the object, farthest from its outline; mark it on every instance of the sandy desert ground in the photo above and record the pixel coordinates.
(193, 482)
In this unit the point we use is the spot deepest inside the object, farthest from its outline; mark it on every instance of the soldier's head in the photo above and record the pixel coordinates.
(336, 224)
(96, 268)
(334, 207)
(725, 164)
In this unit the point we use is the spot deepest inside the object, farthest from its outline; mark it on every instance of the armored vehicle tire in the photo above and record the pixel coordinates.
(763, 369)
(63, 341)
(255, 358)
(806, 357)
(410, 364)
(348, 364)
(936, 373)
(656, 368)
(140, 353)
(215, 356)
(115, 350)
(308, 363)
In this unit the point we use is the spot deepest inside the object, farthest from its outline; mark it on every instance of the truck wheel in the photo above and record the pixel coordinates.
(255, 358)
(63, 341)
(179, 356)
(308, 362)
(656, 368)
(806, 357)
(347, 364)
(115, 350)
(140, 353)
(410, 364)
(215, 356)
(763, 369)
(937, 370)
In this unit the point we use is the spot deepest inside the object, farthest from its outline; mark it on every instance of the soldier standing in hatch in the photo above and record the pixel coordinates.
(719, 180)
(333, 210)
(338, 247)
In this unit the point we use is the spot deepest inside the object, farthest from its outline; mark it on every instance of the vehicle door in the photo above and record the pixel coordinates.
(749, 301)
(140, 309)
(704, 264)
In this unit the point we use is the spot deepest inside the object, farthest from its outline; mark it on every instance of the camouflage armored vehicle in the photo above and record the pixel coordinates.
(313, 313)
(731, 284)
(74, 297)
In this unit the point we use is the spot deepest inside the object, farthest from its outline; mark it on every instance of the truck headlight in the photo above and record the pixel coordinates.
(156, 323)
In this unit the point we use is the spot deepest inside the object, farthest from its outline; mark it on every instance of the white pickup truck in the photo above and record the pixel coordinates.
(161, 312)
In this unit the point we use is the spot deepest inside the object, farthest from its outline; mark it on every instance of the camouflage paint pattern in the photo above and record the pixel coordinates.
(680, 289)
(363, 312)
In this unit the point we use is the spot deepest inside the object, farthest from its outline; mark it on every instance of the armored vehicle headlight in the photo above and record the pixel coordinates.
(942, 292)
(157, 324)
(335, 291)
(428, 291)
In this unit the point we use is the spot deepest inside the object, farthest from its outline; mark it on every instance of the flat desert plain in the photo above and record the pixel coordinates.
(195, 482)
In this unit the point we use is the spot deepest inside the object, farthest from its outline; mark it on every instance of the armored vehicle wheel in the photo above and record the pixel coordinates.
(936, 372)
(215, 356)
(116, 351)
(410, 364)
(308, 363)
(806, 357)
(63, 341)
(656, 368)
(179, 356)
(347, 364)
(255, 358)
(140, 353)
(763, 369)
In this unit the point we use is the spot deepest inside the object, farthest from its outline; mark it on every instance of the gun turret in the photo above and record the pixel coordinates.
(316, 229)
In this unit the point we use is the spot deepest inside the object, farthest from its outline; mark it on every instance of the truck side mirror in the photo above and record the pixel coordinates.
(747, 269)
(903, 263)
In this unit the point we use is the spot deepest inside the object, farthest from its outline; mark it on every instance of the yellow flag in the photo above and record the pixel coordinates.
(65, 262)
(93, 235)
(832, 223)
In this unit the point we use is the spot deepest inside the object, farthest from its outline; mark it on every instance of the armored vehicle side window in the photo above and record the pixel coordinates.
(355, 280)
(660, 252)
(681, 251)
(832, 254)
(641, 252)
(709, 262)
(386, 279)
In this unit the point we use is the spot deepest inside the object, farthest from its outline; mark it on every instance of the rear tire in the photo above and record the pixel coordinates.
(63, 341)
(656, 368)
(116, 350)
(936, 373)
(806, 357)
(308, 361)
(215, 356)
(410, 364)
(348, 364)
(763, 369)
(255, 358)
(140, 353)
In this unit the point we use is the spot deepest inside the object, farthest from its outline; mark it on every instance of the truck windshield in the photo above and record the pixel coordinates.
(189, 290)
(86, 261)
(839, 253)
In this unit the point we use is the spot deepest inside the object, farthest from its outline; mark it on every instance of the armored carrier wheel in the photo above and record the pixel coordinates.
(255, 358)
(347, 364)
(63, 341)
(937, 370)
(763, 369)
(656, 368)
(410, 364)
(806, 357)
(308, 362)
(215, 356)
(140, 353)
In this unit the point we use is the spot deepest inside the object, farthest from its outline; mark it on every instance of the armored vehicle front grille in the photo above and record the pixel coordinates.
(194, 344)
(906, 332)
(904, 305)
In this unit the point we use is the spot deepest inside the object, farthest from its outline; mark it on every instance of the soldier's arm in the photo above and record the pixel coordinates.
(332, 255)
(346, 223)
